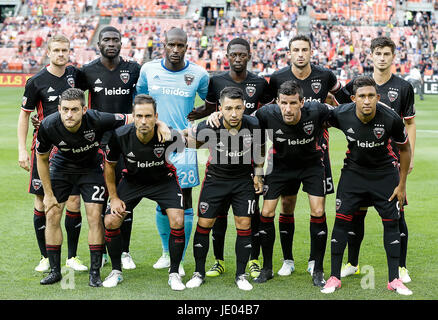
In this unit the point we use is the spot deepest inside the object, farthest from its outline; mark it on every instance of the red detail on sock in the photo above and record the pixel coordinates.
(96, 247)
(286, 218)
(360, 213)
(177, 233)
(202, 230)
(243, 233)
(72, 214)
(38, 213)
(317, 219)
(344, 217)
(266, 219)
(386, 220)
(53, 247)
(112, 233)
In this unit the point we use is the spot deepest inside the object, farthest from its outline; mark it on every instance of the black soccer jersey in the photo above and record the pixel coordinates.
(254, 88)
(316, 86)
(396, 93)
(146, 164)
(295, 145)
(110, 91)
(369, 145)
(231, 156)
(42, 91)
(77, 152)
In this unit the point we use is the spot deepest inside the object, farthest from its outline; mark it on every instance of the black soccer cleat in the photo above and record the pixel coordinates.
(318, 279)
(265, 275)
(51, 278)
(95, 280)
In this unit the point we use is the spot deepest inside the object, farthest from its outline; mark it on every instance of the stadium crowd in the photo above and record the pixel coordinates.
(268, 25)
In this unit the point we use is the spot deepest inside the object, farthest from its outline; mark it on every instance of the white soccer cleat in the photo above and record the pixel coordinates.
(175, 282)
(127, 262)
(43, 265)
(75, 264)
(243, 283)
(287, 268)
(398, 286)
(348, 270)
(162, 262)
(310, 266)
(404, 275)
(196, 281)
(113, 279)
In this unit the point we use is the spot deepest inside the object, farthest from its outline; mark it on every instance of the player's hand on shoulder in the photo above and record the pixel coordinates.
(213, 119)
(23, 159)
(163, 132)
(35, 121)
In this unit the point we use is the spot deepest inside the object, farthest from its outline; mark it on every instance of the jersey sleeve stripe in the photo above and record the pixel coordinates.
(27, 110)
(406, 141)
(336, 87)
(410, 117)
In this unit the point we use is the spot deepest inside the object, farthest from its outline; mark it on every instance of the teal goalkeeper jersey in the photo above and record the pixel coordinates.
(174, 91)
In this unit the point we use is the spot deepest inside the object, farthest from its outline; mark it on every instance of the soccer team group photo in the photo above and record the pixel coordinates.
(256, 149)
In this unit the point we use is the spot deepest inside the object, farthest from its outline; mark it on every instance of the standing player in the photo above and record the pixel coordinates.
(110, 81)
(235, 156)
(41, 93)
(296, 158)
(398, 95)
(149, 175)
(76, 133)
(255, 95)
(316, 83)
(371, 174)
(174, 82)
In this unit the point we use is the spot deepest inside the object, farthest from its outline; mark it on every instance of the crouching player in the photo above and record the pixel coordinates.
(149, 175)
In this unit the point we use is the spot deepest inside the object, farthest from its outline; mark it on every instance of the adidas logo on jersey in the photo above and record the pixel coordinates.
(53, 98)
(131, 154)
(350, 130)
(50, 89)
(62, 143)
(98, 81)
(298, 141)
(149, 164)
(279, 131)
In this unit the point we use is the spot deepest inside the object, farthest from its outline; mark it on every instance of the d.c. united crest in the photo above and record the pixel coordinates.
(188, 78)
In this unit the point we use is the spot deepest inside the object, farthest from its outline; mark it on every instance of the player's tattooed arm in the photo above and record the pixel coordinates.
(22, 130)
(117, 205)
(44, 173)
(202, 111)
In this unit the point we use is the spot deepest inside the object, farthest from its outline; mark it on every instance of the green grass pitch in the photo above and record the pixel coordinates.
(19, 253)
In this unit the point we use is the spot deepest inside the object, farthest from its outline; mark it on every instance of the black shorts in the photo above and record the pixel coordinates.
(328, 181)
(167, 194)
(226, 207)
(217, 195)
(356, 188)
(287, 182)
(35, 184)
(91, 186)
